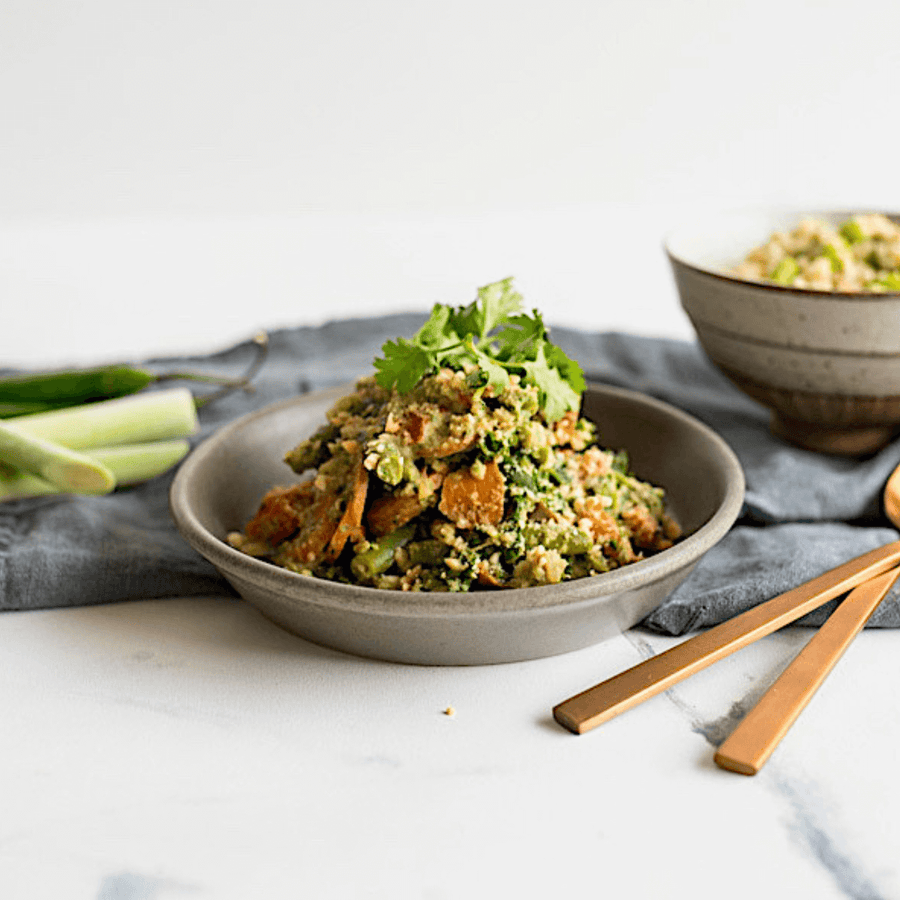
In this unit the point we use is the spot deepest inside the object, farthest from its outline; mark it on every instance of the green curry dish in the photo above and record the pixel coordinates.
(456, 485)
(462, 464)
(492, 340)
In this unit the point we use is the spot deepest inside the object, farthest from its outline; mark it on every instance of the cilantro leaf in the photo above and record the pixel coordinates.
(498, 301)
(521, 337)
(498, 376)
(570, 371)
(557, 395)
(492, 335)
(438, 331)
(404, 365)
(493, 305)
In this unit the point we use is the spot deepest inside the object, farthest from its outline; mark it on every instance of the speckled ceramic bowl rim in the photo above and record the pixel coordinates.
(396, 603)
(683, 259)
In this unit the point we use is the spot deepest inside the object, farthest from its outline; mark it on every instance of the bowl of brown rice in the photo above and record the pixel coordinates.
(801, 310)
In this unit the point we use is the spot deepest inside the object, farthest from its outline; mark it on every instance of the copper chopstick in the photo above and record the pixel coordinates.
(750, 745)
(602, 702)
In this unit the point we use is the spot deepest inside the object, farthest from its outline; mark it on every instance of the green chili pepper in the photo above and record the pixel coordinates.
(74, 386)
(35, 392)
(7, 410)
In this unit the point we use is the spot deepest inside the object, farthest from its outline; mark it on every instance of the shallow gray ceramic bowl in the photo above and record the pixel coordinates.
(219, 486)
(826, 363)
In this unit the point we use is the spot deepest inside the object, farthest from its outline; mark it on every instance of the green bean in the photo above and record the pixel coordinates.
(312, 452)
(568, 540)
(786, 271)
(427, 553)
(379, 556)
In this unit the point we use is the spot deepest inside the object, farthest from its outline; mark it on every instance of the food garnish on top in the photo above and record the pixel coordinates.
(462, 463)
(860, 255)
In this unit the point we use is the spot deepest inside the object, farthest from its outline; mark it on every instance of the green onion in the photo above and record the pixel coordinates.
(851, 232)
(129, 464)
(151, 416)
(129, 437)
(890, 282)
(66, 470)
(135, 463)
(837, 264)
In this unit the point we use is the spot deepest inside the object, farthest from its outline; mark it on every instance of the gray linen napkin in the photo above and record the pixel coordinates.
(804, 513)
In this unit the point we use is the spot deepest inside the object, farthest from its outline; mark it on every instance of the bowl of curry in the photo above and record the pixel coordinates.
(466, 538)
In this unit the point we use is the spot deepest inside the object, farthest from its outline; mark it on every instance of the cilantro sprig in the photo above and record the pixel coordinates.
(493, 334)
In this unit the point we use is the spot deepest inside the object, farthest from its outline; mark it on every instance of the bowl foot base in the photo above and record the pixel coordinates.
(860, 441)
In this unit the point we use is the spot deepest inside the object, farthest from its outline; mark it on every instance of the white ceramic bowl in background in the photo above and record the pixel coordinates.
(826, 363)
(219, 487)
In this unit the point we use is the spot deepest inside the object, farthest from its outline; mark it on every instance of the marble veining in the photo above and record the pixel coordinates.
(135, 886)
(807, 828)
(806, 825)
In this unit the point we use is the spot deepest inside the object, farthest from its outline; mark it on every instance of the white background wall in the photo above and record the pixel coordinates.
(174, 175)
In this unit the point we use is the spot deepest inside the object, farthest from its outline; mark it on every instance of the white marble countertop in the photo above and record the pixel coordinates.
(189, 748)
(175, 177)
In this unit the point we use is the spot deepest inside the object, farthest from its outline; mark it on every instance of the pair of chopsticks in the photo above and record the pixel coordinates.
(868, 578)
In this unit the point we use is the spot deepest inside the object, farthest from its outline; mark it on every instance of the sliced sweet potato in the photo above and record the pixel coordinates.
(486, 577)
(448, 446)
(414, 427)
(387, 514)
(469, 501)
(319, 526)
(323, 514)
(279, 514)
(350, 525)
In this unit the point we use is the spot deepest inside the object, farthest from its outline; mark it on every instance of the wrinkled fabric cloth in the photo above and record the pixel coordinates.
(804, 512)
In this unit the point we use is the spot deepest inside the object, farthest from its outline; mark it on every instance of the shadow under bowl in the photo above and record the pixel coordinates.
(219, 487)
